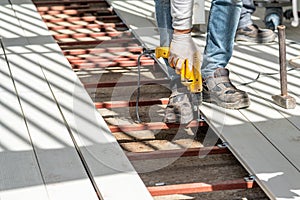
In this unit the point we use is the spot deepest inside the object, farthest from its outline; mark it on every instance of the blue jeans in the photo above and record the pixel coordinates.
(164, 23)
(247, 10)
(222, 24)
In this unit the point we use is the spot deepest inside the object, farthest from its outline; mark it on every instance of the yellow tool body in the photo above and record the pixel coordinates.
(192, 79)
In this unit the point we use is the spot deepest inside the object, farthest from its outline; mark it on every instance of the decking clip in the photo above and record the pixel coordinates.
(249, 178)
(223, 145)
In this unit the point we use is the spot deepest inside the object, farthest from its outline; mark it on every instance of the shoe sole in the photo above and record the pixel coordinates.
(243, 103)
(183, 114)
(244, 38)
(179, 119)
(175, 118)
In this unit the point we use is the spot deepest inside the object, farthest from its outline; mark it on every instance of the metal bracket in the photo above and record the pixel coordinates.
(249, 178)
(223, 145)
(160, 184)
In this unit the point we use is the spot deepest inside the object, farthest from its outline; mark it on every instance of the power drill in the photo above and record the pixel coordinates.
(192, 79)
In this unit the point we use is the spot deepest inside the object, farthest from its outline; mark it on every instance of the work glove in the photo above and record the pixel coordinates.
(183, 53)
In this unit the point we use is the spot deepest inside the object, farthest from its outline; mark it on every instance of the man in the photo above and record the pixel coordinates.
(222, 25)
(248, 31)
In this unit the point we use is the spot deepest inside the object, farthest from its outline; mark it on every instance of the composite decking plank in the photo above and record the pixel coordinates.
(275, 174)
(279, 125)
(277, 149)
(16, 153)
(61, 167)
(29, 19)
(266, 117)
(63, 172)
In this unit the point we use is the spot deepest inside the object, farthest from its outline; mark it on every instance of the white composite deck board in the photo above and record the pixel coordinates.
(16, 152)
(278, 178)
(21, 25)
(274, 141)
(62, 170)
(61, 167)
(272, 124)
(108, 164)
(30, 20)
(35, 30)
(272, 120)
(10, 27)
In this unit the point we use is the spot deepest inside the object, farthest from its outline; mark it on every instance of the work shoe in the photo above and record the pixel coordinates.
(253, 33)
(219, 90)
(181, 109)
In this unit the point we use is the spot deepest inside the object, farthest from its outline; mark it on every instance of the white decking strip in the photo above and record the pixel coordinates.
(57, 110)
(20, 173)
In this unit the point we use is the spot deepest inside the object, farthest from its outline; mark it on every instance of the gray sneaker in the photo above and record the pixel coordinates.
(221, 91)
(253, 33)
(182, 108)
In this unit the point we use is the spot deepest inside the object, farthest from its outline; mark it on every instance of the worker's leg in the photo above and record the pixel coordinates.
(247, 30)
(248, 9)
(179, 108)
(222, 25)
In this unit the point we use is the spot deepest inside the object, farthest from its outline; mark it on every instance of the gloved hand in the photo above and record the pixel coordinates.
(183, 52)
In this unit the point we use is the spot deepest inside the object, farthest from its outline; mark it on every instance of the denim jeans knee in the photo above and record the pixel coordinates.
(222, 25)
